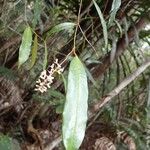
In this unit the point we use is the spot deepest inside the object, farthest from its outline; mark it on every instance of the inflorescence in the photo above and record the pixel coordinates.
(46, 77)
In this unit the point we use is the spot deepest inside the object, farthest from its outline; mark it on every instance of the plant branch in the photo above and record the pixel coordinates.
(87, 40)
(77, 25)
(54, 143)
(120, 87)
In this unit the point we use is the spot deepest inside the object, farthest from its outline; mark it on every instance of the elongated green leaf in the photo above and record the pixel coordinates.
(60, 27)
(148, 102)
(103, 22)
(148, 105)
(34, 51)
(37, 12)
(25, 48)
(64, 81)
(75, 110)
(90, 77)
(113, 50)
(45, 57)
(119, 27)
(115, 7)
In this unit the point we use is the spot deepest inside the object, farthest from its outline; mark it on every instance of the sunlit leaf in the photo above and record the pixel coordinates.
(114, 8)
(25, 48)
(34, 51)
(75, 109)
(60, 27)
(103, 22)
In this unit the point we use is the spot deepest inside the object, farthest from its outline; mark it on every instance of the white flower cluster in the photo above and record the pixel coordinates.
(46, 77)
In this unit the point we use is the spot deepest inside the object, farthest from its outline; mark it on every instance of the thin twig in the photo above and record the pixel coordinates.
(54, 143)
(87, 9)
(88, 40)
(77, 25)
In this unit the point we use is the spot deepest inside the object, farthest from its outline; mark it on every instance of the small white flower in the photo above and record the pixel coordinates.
(43, 74)
(38, 81)
(46, 78)
(52, 66)
(59, 71)
(56, 61)
(50, 79)
(48, 85)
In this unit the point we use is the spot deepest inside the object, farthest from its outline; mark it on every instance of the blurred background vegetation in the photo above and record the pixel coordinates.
(34, 120)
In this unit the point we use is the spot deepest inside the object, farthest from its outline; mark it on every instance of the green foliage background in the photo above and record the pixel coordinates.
(104, 25)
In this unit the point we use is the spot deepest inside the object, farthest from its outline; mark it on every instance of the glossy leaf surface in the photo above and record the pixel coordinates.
(75, 110)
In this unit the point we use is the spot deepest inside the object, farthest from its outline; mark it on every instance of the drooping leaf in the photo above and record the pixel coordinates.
(60, 27)
(119, 27)
(90, 77)
(37, 12)
(45, 57)
(137, 39)
(148, 102)
(25, 48)
(34, 51)
(103, 22)
(113, 50)
(114, 8)
(148, 105)
(64, 81)
(126, 26)
(75, 109)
